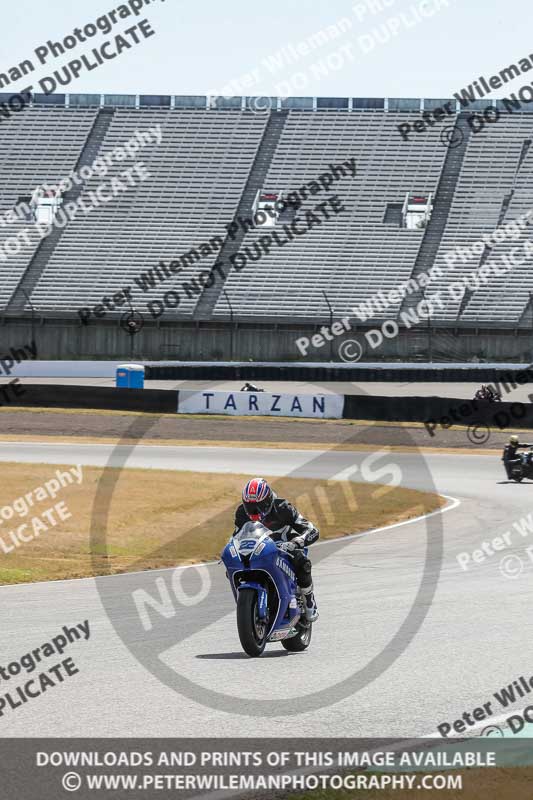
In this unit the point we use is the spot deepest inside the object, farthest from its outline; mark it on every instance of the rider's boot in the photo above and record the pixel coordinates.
(311, 610)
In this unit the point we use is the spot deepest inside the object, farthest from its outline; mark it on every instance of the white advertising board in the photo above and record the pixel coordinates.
(261, 404)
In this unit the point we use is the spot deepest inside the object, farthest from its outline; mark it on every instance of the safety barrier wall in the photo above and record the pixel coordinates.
(442, 411)
(98, 397)
(306, 372)
(341, 372)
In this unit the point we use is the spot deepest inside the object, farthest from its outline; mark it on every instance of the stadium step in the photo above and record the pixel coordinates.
(256, 182)
(44, 251)
(441, 208)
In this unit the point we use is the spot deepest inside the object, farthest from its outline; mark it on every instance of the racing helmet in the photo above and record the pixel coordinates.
(258, 499)
(513, 439)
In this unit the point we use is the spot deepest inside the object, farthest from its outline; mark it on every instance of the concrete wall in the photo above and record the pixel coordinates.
(66, 339)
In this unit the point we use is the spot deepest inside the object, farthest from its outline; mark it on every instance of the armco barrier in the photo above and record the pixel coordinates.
(98, 397)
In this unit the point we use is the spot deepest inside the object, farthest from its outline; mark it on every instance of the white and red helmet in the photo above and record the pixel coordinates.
(257, 498)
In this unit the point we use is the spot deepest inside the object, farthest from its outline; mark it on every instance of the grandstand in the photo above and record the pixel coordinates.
(39, 145)
(215, 156)
(357, 253)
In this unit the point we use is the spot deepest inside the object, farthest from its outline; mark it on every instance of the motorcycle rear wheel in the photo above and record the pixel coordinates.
(300, 642)
(252, 630)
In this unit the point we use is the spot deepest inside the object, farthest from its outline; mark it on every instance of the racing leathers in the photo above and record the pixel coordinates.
(290, 528)
(511, 457)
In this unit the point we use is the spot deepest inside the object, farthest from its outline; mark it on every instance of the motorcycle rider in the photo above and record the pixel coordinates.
(487, 393)
(510, 457)
(481, 393)
(287, 526)
(492, 395)
(251, 387)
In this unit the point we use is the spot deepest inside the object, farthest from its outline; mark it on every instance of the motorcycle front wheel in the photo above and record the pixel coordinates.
(301, 641)
(252, 630)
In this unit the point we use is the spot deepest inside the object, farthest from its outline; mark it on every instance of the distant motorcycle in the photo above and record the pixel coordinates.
(488, 394)
(251, 387)
(523, 468)
(270, 607)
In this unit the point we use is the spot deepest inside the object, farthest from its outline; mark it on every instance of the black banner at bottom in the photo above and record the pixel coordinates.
(53, 769)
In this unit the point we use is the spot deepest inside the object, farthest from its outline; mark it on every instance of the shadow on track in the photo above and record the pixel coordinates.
(228, 656)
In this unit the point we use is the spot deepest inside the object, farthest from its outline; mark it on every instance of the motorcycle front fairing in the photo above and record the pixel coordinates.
(252, 560)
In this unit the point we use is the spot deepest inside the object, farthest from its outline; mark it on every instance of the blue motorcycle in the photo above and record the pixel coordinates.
(269, 606)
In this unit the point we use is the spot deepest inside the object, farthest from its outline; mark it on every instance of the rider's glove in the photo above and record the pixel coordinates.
(294, 544)
(287, 547)
(299, 541)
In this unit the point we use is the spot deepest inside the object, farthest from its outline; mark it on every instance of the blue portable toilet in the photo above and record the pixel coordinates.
(130, 376)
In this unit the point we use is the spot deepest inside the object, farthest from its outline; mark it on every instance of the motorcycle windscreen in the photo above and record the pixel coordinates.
(249, 536)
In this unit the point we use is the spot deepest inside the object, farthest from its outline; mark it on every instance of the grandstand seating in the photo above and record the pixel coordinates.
(505, 298)
(197, 176)
(204, 169)
(40, 145)
(491, 172)
(355, 254)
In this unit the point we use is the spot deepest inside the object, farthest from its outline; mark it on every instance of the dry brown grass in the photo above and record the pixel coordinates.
(146, 519)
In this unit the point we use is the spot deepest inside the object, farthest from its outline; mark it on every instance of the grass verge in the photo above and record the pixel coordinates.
(163, 518)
